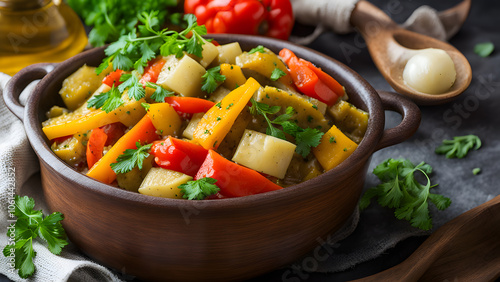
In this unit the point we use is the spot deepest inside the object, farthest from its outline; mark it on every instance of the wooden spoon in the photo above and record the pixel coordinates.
(465, 249)
(391, 47)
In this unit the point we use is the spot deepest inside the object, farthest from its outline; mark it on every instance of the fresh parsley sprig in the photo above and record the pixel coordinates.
(131, 158)
(135, 88)
(401, 190)
(459, 146)
(305, 138)
(107, 101)
(160, 93)
(112, 18)
(211, 79)
(31, 224)
(136, 49)
(199, 189)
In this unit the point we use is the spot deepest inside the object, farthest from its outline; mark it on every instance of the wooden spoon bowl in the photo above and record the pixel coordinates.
(391, 46)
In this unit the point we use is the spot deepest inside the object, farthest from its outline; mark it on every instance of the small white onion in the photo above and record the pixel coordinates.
(430, 71)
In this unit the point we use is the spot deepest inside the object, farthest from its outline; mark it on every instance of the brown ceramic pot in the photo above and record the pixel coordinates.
(230, 239)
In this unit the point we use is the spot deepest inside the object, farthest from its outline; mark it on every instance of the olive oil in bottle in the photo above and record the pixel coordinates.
(36, 31)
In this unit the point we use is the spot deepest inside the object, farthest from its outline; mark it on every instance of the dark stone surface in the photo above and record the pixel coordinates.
(475, 112)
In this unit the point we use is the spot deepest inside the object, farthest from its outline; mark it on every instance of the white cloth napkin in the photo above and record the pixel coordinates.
(18, 165)
(335, 15)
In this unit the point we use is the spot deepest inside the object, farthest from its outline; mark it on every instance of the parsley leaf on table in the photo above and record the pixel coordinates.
(29, 225)
(131, 158)
(199, 189)
(305, 139)
(459, 146)
(484, 49)
(211, 79)
(401, 190)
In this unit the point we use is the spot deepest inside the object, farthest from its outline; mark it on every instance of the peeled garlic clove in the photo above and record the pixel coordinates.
(430, 71)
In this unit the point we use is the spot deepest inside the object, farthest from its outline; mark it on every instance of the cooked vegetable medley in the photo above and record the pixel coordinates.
(209, 121)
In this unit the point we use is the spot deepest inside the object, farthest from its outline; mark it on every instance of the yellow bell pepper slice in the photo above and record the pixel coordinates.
(143, 132)
(83, 118)
(265, 63)
(234, 76)
(165, 119)
(334, 148)
(219, 119)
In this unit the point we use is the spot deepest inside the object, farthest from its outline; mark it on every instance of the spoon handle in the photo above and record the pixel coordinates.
(370, 20)
(465, 249)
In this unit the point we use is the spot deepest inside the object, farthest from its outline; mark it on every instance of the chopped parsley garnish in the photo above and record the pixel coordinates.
(135, 50)
(459, 146)
(135, 89)
(160, 93)
(259, 49)
(199, 189)
(211, 79)
(401, 190)
(277, 74)
(31, 224)
(146, 106)
(131, 158)
(476, 171)
(305, 139)
(107, 101)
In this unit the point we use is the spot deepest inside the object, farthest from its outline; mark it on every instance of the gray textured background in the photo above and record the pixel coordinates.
(475, 112)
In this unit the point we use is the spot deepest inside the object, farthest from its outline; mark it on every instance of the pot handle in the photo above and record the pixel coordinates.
(18, 83)
(409, 124)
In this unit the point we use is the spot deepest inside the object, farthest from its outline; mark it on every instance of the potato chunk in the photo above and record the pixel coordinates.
(182, 76)
(264, 153)
(71, 150)
(350, 120)
(79, 86)
(193, 123)
(163, 183)
(229, 52)
(208, 55)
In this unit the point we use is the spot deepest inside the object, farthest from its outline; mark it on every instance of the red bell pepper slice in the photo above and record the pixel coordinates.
(142, 132)
(233, 179)
(311, 80)
(152, 71)
(95, 146)
(273, 18)
(178, 155)
(186, 106)
(114, 131)
(113, 78)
